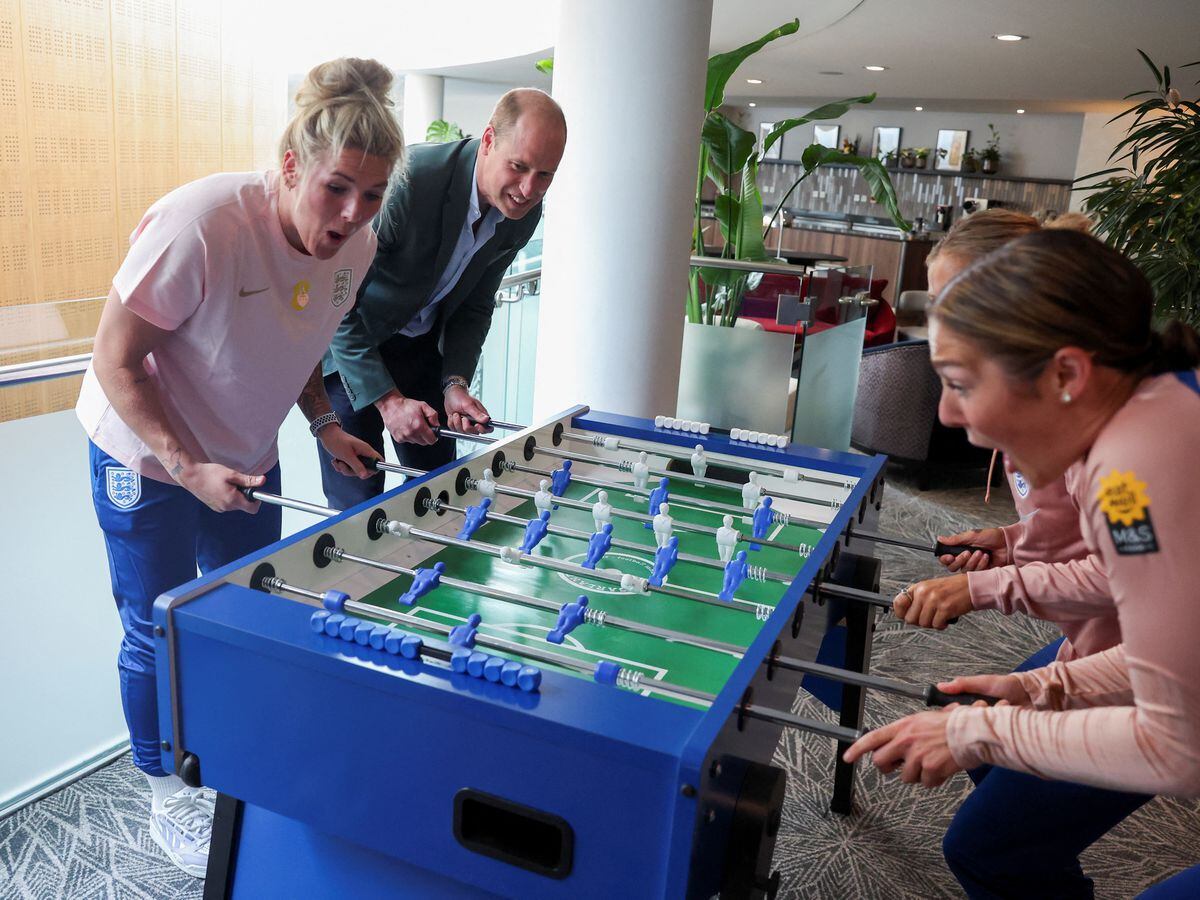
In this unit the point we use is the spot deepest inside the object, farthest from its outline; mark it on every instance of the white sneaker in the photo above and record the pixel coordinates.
(183, 829)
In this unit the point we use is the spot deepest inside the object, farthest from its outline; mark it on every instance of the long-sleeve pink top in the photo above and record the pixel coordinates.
(1051, 574)
(1127, 718)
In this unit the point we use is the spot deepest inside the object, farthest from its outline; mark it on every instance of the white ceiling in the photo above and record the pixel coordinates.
(1081, 54)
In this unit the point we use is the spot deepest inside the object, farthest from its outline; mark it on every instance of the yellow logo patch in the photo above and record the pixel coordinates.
(300, 294)
(1123, 498)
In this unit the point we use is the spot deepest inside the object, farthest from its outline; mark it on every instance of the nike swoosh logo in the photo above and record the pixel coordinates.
(242, 292)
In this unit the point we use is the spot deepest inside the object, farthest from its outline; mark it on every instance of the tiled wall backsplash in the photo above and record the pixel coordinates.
(833, 189)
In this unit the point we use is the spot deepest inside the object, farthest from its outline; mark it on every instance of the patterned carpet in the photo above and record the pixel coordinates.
(90, 840)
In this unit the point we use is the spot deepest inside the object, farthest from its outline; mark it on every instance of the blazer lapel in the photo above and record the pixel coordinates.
(454, 209)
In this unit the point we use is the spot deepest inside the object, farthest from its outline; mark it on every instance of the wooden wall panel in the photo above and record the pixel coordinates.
(199, 47)
(17, 277)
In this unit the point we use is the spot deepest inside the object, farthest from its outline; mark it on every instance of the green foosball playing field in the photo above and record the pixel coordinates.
(692, 666)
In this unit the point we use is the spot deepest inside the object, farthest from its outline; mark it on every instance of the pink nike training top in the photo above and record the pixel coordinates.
(1127, 718)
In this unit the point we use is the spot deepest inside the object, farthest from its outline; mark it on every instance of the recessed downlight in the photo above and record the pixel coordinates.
(1020, 112)
(752, 105)
(875, 68)
(918, 108)
(1011, 37)
(754, 81)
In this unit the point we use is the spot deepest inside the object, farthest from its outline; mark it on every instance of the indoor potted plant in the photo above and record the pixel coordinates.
(922, 155)
(889, 159)
(971, 160)
(729, 160)
(1146, 206)
(990, 155)
(908, 158)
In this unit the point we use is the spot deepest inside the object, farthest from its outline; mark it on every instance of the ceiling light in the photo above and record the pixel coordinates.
(918, 108)
(752, 105)
(1020, 112)
(754, 81)
(1011, 37)
(875, 68)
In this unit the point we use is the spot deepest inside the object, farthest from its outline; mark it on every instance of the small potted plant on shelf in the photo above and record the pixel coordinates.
(990, 155)
(971, 160)
(908, 158)
(922, 155)
(889, 159)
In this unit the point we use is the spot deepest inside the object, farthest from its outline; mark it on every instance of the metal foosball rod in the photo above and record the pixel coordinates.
(629, 514)
(564, 531)
(937, 549)
(625, 465)
(700, 503)
(630, 679)
(763, 468)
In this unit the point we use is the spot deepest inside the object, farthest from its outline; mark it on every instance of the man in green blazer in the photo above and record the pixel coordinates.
(403, 357)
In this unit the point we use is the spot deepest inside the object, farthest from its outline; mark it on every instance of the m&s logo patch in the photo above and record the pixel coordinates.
(1126, 507)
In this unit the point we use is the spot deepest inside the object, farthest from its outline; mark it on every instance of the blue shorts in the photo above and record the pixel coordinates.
(157, 535)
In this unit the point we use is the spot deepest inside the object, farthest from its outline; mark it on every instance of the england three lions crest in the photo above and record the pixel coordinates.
(124, 487)
(341, 286)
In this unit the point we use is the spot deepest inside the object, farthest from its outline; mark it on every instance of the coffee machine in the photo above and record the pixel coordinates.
(975, 204)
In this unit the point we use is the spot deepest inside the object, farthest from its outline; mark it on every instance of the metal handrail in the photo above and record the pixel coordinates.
(525, 283)
(741, 265)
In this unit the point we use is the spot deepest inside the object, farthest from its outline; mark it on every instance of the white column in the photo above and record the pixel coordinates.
(422, 105)
(630, 78)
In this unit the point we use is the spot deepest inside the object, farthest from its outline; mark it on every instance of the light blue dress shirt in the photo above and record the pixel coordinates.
(469, 241)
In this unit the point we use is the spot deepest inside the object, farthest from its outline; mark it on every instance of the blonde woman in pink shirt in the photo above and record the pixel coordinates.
(1046, 352)
(214, 328)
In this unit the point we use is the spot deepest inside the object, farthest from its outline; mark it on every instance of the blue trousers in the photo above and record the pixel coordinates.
(1183, 886)
(415, 365)
(1020, 836)
(157, 535)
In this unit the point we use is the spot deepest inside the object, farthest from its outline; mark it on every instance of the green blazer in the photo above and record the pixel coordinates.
(417, 232)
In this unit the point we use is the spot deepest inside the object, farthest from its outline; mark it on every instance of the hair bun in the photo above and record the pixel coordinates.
(342, 78)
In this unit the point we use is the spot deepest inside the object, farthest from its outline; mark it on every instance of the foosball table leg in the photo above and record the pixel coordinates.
(861, 572)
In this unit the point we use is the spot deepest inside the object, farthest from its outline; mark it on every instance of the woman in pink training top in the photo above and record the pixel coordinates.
(214, 328)
(1023, 556)
(1046, 352)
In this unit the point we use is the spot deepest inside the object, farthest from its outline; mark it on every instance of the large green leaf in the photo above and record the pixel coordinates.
(822, 113)
(728, 145)
(722, 66)
(872, 171)
(440, 132)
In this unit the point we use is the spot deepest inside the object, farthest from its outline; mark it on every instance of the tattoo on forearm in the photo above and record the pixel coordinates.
(173, 463)
(313, 401)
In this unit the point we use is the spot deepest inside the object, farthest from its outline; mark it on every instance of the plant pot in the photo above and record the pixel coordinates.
(735, 377)
(991, 166)
(921, 162)
(971, 165)
(907, 162)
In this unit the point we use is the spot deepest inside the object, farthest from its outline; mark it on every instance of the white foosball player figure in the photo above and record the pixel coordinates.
(486, 484)
(699, 462)
(727, 538)
(543, 499)
(601, 510)
(751, 492)
(641, 471)
(663, 525)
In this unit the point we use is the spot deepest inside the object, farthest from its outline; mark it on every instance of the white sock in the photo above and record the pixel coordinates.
(162, 787)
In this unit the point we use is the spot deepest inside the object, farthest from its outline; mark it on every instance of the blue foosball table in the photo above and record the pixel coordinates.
(435, 695)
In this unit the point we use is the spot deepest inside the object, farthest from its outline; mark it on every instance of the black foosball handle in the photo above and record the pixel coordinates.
(935, 697)
(940, 549)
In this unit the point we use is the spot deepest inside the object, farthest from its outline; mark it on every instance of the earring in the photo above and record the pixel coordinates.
(1066, 397)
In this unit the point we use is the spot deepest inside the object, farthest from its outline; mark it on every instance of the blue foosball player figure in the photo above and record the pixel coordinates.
(736, 571)
(475, 517)
(658, 497)
(664, 560)
(762, 519)
(560, 479)
(598, 544)
(535, 531)
(424, 581)
(570, 617)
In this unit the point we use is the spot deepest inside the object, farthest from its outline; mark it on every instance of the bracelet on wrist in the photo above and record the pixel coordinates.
(329, 418)
(455, 381)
